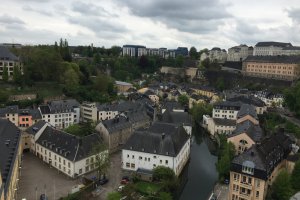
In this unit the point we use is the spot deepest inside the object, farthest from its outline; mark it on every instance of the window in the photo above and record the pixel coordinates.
(80, 171)
(127, 164)
(132, 165)
(167, 162)
(132, 156)
(87, 168)
(69, 164)
(257, 194)
(257, 183)
(127, 155)
(140, 158)
(236, 177)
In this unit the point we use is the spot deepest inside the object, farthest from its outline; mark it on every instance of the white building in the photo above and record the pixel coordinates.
(88, 112)
(215, 54)
(134, 50)
(270, 99)
(162, 144)
(270, 48)
(239, 53)
(226, 110)
(61, 113)
(68, 154)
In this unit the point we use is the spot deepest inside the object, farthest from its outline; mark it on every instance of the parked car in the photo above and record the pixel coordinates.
(124, 181)
(226, 181)
(103, 181)
(43, 197)
(126, 178)
(120, 188)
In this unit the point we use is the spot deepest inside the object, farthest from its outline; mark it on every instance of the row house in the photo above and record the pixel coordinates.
(22, 118)
(269, 98)
(61, 113)
(162, 144)
(9, 61)
(10, 159)
(254, 171)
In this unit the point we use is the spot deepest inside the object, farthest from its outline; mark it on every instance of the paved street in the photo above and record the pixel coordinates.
(114, 175)
(36, 174)
(221, 191)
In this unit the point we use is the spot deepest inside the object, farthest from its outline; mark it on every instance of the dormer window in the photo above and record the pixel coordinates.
(248, 167)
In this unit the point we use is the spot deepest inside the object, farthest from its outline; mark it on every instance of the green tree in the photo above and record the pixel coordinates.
(183, 100)
(17, 75)
(71, 78)
(220, 84)
(282, 188)
(5, 74)
(114, 196)
(200, 109)
(3, 96)
(74, 129)
(164, 196)
(295, 178)
(179, 61)
(167, 178)
(102, 161)
(193, 53)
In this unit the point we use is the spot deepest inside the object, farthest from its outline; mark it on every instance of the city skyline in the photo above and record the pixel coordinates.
(203, 24)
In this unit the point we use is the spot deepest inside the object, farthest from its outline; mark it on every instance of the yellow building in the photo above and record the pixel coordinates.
(272, 67)
(256, 168)
(10, 159)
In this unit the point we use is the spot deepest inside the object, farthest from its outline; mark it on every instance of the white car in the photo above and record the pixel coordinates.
(120, 188)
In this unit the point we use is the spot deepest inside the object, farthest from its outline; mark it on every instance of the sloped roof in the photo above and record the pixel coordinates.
(177, 118)
(5, 54)
(76, 148)
(252, 130)
(224, 122)
(248, 100)
(10, 137)
(161, 138)
(36, 127)
(294, 59)
(247, 109)
(271, 43)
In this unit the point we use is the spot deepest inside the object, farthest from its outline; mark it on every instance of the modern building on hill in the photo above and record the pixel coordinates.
(10, 159)
(239, 53)
(182, 51)
(134, 50)
(9, 61)
(162, 144)
(253, 171)
(67, 153)
(272, 67)
(61, 113)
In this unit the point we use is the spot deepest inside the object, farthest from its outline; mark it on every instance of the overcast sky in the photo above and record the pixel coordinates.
(153, 23)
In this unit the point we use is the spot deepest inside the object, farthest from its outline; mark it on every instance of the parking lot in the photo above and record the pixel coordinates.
(38, 178)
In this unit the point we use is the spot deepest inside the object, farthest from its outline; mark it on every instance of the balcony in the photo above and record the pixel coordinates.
(246, 185)
(245, 195)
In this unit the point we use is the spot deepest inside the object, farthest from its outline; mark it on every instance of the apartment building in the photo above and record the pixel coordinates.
(259, 105)
(134, 50)
(226, 110)
(67, 153)
(162, 144)
(10, 159)
(239, 53)
(253, 171)
(88, 111)
(269, 98)
(9, 61)
(61, 113)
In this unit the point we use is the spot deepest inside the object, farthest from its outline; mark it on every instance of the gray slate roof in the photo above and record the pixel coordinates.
(161, 138)
(9, 141)
(59, 106)
(9, 109)
(68, 146)
(271, 43)
(247, 109)
(5, 54)
(224, 122)
(252, 130)
(35, 113)
(248, 100)
(295, 59)
(180, 118)
(36, 127)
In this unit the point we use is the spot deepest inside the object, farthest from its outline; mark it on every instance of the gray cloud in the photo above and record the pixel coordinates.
(90, 9)
(37, 10)
(195, 16)
(294, 13)
(98, 25)
(6, 19)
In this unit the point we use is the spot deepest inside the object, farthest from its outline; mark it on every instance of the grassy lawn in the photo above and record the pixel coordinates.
(147, 188)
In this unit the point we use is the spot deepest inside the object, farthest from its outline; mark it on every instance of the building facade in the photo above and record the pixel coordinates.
(270, 48)
(272, 67)
(253, 171)
(62, 113)
(239, 53)
(134, 50)
(9, 62)
(157, 146)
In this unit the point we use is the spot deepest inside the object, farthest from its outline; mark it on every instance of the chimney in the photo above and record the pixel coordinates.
(163, 135)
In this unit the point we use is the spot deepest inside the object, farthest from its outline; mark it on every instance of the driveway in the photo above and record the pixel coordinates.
(37, 178)
(114, 175)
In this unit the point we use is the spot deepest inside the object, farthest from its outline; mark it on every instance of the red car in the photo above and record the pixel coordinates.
(124, 181)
